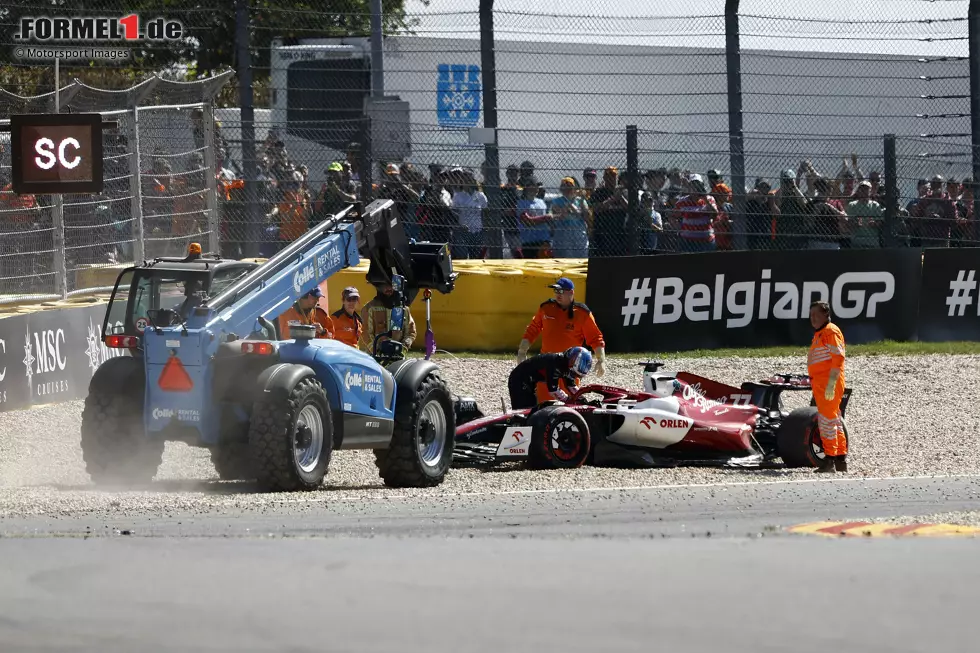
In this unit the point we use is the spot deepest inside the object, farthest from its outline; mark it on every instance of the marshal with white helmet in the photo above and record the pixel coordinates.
(677, 419)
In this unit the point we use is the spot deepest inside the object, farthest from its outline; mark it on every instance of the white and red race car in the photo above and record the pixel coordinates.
(678, 419)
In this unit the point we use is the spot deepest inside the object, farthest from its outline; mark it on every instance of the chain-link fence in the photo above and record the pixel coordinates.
(157, 194)
(781, 109)
(937, 187)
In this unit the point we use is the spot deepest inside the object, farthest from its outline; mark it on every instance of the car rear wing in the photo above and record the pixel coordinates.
(765, 393)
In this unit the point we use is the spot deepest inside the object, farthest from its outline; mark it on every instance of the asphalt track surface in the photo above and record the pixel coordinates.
(703, 567)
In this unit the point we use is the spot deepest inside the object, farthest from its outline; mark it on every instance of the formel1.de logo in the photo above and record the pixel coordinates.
(82, 29)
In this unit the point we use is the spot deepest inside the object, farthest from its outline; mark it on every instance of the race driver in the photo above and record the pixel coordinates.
(347, 324)
(306, 310)
(563, 323)
(825, 365)
(548, 370)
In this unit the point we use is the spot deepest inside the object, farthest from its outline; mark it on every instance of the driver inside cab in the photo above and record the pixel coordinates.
(306, 310)
(193, 297)
(193, 288)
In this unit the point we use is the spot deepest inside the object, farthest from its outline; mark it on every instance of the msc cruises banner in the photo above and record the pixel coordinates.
(49, 356)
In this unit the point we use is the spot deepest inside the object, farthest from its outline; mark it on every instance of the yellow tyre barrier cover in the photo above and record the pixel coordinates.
(488, 311)
(491, 306)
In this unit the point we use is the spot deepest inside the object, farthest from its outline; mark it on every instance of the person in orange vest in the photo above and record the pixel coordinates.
(347, 323)
(825, 365)
(293, 220)
(562, 324)
(305, 310)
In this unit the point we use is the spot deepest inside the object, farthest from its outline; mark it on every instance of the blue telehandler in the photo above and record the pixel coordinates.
(206, 365)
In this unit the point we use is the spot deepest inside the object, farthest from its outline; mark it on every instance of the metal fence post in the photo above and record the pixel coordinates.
(891, 191)
(973, 28)
(253, 220)
(365, 161)
(736, 140)
(60, 255)
(632, 191)
(58, 215)
(377, 51)
(136, 190)
(210, 176)
(491, 164)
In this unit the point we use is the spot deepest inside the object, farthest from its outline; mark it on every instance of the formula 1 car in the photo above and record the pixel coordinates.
(678, 419)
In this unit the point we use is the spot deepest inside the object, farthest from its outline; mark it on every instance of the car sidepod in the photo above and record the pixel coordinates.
(667, 431)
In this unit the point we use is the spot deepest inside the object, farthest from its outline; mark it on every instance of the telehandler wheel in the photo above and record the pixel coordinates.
(233, 462)
(421, 449)
(291, 439)
(115, 448)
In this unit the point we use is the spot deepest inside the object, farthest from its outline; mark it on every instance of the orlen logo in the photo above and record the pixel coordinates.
(303, 276)
(648, 422)
(518, 435)
(162, 413)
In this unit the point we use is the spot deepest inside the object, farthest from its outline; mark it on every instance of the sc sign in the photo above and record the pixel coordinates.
(56, 153)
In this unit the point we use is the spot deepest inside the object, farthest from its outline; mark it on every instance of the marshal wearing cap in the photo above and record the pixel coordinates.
(562, 324)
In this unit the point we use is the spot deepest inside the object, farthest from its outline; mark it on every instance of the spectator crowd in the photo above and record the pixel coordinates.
(678, 210)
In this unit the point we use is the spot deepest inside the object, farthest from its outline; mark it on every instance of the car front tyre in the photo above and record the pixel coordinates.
(560, 439)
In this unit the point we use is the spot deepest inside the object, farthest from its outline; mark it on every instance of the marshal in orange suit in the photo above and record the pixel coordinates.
(825, 365)
(563, 323)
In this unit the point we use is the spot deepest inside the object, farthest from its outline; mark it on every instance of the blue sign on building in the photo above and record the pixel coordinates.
(459, 96)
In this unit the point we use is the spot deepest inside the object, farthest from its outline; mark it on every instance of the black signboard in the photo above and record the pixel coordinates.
(56, 153)
(49, 356)
(949, 308)
(680, 302)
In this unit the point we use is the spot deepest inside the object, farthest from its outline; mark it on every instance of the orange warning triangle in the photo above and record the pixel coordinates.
(174, 378)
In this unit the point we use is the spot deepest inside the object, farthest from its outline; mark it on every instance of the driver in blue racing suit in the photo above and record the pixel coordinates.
(570, 365)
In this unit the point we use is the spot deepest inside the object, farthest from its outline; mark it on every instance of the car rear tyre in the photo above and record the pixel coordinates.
(559, 439)
(798, 439)
(421, 449)
(291, 439)
(115, 447)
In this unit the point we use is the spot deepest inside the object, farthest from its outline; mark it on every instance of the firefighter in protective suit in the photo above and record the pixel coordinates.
(563, 323)
(377, 316)
(825, 365)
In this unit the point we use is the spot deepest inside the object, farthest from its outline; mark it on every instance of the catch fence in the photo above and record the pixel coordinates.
(157, 194)
(756, 90)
